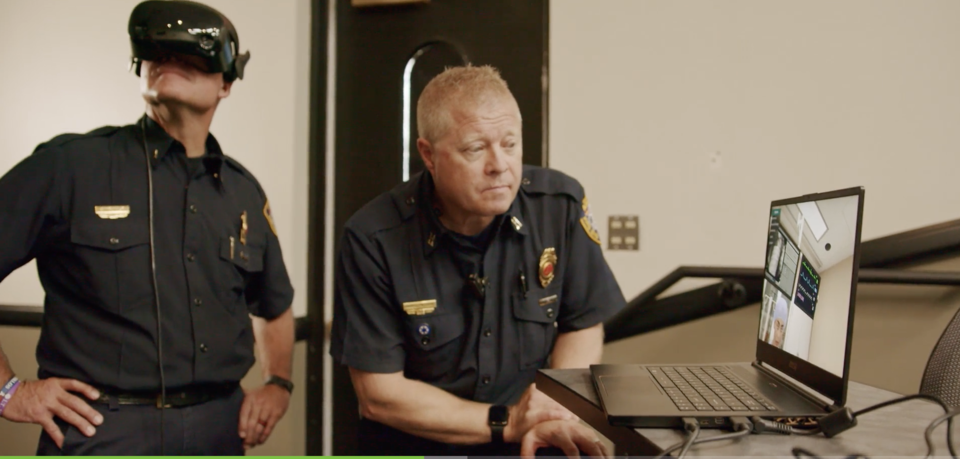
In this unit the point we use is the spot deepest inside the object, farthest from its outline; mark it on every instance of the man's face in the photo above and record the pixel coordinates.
(181, 79)
(477, 162)
(778, 331)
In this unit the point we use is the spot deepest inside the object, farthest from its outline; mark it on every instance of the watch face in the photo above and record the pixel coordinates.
(498, 415)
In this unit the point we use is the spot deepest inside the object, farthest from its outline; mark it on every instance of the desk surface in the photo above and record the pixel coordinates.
(892, 431)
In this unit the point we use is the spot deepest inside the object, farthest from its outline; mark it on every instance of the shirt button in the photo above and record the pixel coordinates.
(485, 380)
(190, 257)
(193, 209)
(487, 333)
(197, 301)
(114, 241)
(550, 313)
(203, 347)
(411, 201)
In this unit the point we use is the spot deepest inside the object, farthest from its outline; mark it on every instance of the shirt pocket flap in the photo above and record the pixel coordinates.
(111, 235)
(246, 257)
(541, 306)
(432, 331)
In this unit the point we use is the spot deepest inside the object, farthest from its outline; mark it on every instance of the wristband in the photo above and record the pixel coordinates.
(7, 392)
(9, 385)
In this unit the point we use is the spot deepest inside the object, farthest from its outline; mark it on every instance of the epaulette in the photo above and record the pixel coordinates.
(244, 172)
(267, 213)
(63, 139)
(404, 196)
(538, 180)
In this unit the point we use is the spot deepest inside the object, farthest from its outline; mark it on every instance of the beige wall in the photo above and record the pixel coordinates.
(694, 115)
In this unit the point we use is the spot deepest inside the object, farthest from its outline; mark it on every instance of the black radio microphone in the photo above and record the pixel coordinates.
(477, 284)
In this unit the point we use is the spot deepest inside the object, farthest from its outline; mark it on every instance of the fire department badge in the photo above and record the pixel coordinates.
(548, 264)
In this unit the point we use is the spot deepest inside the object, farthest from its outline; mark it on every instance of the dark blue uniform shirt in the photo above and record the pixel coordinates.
(79, 206)
(395, 257)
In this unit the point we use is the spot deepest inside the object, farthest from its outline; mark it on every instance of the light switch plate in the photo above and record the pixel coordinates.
(623, 232)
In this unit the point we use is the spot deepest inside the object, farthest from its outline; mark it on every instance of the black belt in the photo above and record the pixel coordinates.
(175, 398)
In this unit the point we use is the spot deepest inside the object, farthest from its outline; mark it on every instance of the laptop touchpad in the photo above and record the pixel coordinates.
(632, 387)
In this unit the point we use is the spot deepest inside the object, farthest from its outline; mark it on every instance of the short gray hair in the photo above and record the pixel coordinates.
(455, 86)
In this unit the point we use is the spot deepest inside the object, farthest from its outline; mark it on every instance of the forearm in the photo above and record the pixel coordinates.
(5, 371)
(578, 349)
(421, 409)
(275, 344)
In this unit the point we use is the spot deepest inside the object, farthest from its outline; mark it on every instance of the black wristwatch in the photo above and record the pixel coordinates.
(498, 418)
(284, 383)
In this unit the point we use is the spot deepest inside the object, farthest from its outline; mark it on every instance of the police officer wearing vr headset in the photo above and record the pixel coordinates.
(154, 248)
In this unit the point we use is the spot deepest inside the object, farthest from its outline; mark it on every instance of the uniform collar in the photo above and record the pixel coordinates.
(159, 144)
(433, 232)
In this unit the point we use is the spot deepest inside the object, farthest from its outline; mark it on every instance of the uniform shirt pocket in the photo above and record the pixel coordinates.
(109, 235)
(115, 255)
(536, 315)
(246, 257)
(241, 264)
(433, 347)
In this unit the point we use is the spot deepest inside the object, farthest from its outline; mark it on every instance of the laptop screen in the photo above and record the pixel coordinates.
(809, 279)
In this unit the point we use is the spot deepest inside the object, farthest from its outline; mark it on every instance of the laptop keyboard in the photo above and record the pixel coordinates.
(709, 389)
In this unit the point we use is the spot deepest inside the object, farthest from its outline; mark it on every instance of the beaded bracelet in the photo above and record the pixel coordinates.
(7, 392)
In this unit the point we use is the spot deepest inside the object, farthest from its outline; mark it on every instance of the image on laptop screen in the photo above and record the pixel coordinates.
(807, 279)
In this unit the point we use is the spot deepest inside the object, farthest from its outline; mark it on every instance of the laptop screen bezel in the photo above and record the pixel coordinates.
(826, 383)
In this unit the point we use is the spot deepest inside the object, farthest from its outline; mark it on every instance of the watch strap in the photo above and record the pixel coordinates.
(282, 382)
(497, 418)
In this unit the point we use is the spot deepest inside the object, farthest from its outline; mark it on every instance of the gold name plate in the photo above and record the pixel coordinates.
(419, 308)
(112, 212)
(547, 300)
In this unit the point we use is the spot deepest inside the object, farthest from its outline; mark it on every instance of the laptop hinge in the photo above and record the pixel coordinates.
(828, 405)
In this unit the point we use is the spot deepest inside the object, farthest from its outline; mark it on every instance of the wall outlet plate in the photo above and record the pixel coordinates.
(623, 232)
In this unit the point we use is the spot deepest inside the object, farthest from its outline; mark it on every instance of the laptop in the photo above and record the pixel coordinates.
(802, 364)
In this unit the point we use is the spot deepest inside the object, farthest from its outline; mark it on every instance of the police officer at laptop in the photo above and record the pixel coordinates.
(153, 248)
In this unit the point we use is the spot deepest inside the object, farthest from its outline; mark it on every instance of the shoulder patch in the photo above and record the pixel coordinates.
(586, 221)
(269, 216)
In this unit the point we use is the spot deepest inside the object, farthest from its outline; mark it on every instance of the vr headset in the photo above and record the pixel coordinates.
(160, 27)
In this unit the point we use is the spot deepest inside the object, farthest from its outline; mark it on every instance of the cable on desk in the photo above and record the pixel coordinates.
(927, 434)
(901, 400)
(933, 425)
(741, 425)
(693, 430)
(946, 409)
(739, 433)
(800, 453)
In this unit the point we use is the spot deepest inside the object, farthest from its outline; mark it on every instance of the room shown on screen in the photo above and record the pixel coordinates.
(808, 276)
